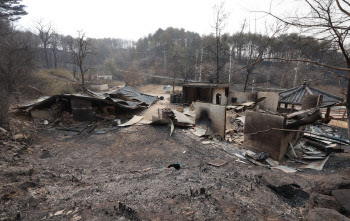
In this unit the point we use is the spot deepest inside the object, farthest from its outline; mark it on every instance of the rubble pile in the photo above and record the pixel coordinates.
(308, 142)
(234, 127)
(12, 145)
(89, 105)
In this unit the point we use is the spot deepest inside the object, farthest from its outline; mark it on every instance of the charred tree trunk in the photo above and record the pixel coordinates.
(46, 56)
(348, 102)
(82, 76)
(246, 81)
(54, 51)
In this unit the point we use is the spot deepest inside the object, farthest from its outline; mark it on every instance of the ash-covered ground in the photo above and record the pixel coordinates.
(122, 174)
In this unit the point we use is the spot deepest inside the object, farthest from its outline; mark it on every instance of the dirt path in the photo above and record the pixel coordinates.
(156, 90)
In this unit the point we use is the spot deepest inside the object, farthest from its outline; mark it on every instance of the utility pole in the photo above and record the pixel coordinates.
(196, 70)
(229, 72)
(200, 67)
(296, 75)
(164, 59)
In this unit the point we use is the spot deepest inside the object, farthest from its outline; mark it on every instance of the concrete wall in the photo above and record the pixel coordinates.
(105, 77)
(223, 96)
(258, 137)
(100, 87)
(310, 101)
(242, 97)
(271, 101)
(211, 117)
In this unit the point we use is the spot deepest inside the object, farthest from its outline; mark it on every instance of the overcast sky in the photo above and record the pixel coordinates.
(133, 19)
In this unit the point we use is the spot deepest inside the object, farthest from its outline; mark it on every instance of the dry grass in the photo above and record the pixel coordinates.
(52, 82)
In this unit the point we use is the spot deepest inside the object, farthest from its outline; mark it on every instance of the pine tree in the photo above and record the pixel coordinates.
(11, 9)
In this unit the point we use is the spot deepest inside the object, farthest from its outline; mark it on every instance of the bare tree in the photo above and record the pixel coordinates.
(220, 18)
(54, 44)
(255, 55)
(81, 47)
(45, 33)
(326, 20)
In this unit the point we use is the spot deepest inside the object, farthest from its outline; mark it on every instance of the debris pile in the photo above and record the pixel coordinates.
(267, 138)
(89, 105)
(263, 137)
(13, 144)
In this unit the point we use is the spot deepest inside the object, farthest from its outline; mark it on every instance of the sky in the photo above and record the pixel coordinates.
(134, 19)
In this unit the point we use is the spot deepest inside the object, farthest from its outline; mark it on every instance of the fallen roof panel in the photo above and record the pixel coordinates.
(137, 99)
(133, 95)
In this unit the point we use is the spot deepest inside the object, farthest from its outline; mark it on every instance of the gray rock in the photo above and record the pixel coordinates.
(318, 214)
(343, 197)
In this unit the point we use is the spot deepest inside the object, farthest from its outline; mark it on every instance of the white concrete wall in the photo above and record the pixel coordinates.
(105, 77)
(223, 97)
(101, 87)
(271, 101)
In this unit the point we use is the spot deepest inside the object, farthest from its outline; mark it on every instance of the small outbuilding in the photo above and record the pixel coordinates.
(206, 92)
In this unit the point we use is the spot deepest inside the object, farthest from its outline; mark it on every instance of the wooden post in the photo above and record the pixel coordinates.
(328, 112)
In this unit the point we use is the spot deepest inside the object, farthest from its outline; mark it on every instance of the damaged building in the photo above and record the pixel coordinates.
(257, 120)
(206, 92)
(88, 105)
(305, 97)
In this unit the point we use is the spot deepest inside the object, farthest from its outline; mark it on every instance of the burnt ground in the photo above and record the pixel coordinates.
(123, 175)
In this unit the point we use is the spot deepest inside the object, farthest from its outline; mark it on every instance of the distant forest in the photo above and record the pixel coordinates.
(276, 60)
(184, 54)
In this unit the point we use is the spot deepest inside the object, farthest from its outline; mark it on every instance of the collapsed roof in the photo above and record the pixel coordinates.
(130, 94)
(132, 99)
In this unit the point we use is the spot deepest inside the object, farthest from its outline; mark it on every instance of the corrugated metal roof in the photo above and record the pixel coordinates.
(134, 98)
(296, 95)
(134, 95)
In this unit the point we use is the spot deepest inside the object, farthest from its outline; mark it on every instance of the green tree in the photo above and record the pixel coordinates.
(11, 10)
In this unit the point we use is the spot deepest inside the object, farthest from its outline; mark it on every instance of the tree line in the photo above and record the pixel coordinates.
(242, 57)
